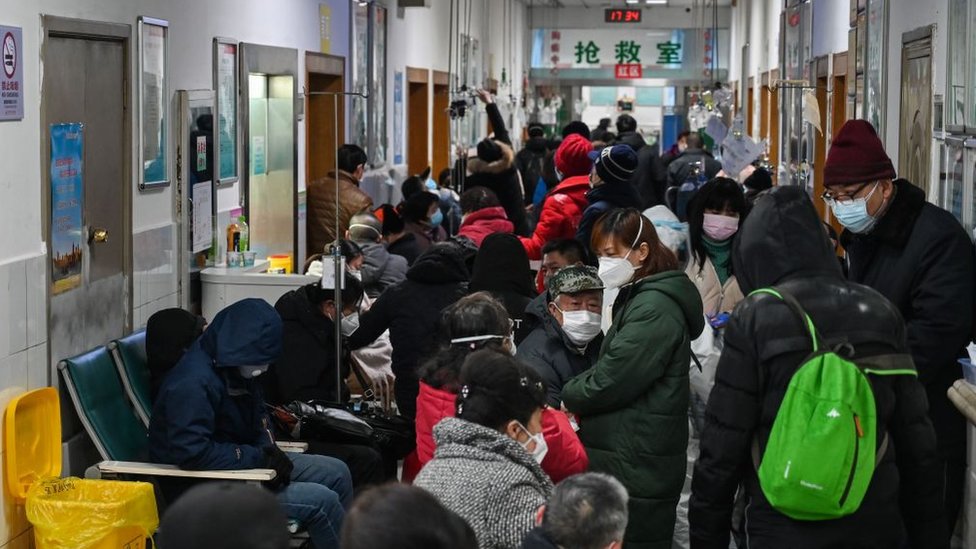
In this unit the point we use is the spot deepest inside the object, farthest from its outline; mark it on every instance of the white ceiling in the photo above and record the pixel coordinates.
(619, 3)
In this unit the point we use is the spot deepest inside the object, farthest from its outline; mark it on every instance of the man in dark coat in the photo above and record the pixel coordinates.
(613, 168)
(684, 164)
(782, 243)
(920, 258)
(567, 341)
(651, 177)
(586, 511)
(209, 414)
(410, 310)
(531, 159)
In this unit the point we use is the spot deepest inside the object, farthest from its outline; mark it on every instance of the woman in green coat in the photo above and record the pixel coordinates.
(632, 404)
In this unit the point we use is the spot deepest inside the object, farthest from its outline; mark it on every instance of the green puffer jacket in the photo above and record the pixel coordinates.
(633, 403)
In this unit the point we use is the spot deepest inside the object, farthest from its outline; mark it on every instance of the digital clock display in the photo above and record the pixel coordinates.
(622, 16)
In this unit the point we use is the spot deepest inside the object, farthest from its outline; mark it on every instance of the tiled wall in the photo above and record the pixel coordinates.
(24, 362)
(154, 285)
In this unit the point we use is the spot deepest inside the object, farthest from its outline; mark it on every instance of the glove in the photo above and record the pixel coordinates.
(275, 459)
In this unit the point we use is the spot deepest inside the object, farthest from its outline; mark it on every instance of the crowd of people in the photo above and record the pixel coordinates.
(554, 409)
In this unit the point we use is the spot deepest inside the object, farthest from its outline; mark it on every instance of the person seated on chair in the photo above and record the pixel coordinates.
(210, 415)
(169, 333)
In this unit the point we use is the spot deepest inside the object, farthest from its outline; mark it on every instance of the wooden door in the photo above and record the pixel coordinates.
(838, 111)
(325, 75)
(418, 120)
(442, 124)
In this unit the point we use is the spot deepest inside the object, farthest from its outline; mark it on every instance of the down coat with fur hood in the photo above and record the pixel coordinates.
(501, 177)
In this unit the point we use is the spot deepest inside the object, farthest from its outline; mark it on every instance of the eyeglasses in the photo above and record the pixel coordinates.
(845, 198)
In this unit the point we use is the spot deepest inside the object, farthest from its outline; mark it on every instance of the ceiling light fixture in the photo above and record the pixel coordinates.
(656, 2)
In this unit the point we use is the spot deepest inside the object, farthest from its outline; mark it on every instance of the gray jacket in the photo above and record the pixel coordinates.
(486, 478)
(380, 269)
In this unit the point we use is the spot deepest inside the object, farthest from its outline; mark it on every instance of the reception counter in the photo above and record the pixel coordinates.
(222, 286)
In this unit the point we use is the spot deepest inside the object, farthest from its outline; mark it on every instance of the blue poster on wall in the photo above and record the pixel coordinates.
(398, 118)
(67, 141)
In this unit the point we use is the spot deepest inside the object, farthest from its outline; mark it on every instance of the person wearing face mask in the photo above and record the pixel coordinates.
(210, 414)
(422, 217)
(556, 255)
(477, 322)
(715, 214)
(381, 268)
(920, 258)
(567, 341)
(613, 168)
(632, 404)
(486, 466)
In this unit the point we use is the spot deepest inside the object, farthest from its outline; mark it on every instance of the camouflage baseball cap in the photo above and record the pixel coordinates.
(573, 280)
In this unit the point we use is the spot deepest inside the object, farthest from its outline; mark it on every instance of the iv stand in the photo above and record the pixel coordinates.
(337, 262)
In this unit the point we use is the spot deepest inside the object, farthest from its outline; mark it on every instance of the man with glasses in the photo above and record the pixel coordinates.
(920, 258)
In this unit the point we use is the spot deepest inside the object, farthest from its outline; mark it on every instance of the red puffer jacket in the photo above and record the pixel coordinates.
(477, 225)
(566, 455)
(560, 216)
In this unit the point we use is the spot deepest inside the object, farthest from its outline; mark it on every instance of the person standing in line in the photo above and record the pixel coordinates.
(613, 168)
(633, 403)
(322, 211)
(920, 258)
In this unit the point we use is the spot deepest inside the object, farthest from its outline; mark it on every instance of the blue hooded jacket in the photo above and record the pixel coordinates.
(206, 416)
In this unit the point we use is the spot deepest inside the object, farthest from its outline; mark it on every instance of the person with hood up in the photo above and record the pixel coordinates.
(479, 321)
(613, 167)
(782, 245)
(501, 268)
(494, 167)
(486, 465)
(682, 167)
(567, 341)
(210, 415)
(398, 241)
(410, 310)
(633, 403)
(169, 333)
(322, 211)
(482, 215)
(422, 218)
(380, 269)
(651, 177)
(530, 160)
(919, 257)
(564, 205)
(715, 214)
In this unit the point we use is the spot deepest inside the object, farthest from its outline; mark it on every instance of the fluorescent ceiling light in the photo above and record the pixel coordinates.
(659, 2)
(633, 1)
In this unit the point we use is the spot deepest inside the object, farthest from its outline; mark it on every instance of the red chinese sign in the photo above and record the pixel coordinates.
(628, 70)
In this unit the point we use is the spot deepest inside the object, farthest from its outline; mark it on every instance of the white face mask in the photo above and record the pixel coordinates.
(349, 324)
(617, 271)
(541, 447)
(251, 372)
(355, 273)
(581, 326)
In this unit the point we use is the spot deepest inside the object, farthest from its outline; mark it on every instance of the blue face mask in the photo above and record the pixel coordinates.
(854, 215)
(436, 219)
(431, 185)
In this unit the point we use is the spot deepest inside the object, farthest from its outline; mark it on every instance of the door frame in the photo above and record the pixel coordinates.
(440, 142)
(328, 65)
(418, 76)
(65, 27)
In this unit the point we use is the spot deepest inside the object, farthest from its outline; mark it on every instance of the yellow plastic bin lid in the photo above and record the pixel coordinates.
(31, 440)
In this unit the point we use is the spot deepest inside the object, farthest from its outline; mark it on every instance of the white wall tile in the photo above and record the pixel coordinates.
(17, 365)
(37, 367)
(36, 300)
(17, 306)
(4, 311)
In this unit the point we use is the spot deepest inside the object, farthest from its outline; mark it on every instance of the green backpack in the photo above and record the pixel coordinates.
(820, 455)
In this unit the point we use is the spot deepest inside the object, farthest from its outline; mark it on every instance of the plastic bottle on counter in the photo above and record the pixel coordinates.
(245, 238)
(233, 237)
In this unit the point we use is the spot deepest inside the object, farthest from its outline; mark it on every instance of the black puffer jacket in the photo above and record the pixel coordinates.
(410, 311)
(530, 162)
(306, 333)
(651, 178)
(550, 353)
(920, 258)
(783, 244)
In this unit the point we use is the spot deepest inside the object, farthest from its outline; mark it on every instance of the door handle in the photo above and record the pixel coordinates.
(97, 235)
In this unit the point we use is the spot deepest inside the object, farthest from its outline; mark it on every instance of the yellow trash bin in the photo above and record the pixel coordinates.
(68, 512)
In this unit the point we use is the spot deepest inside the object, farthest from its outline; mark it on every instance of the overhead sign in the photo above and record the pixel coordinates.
(12, 78)
(623, 71)
(622, 16)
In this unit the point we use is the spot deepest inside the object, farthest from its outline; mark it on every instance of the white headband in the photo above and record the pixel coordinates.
(473, 339)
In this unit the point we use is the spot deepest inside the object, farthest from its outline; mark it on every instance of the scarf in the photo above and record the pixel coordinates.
(721, 255)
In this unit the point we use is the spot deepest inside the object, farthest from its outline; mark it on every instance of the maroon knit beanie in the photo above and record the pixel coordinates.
(857, 156)
(572, 156)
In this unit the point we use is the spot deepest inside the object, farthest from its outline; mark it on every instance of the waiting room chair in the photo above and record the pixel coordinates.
(129, 354)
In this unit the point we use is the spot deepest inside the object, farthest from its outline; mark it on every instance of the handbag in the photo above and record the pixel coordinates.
(320, 421)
